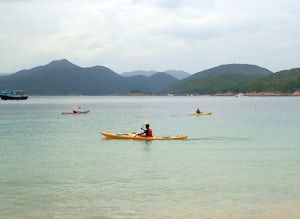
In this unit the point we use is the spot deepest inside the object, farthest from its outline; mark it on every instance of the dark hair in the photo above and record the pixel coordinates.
(147, 125)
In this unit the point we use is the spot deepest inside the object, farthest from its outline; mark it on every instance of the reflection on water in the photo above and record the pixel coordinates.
(220, 138)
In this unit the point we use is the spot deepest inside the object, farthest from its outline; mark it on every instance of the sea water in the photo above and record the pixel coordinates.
(243, 161)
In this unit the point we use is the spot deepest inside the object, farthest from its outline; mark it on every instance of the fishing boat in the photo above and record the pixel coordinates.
(13, 95)
(135, 136)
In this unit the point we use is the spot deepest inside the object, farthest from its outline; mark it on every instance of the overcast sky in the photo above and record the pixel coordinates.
(128, 35)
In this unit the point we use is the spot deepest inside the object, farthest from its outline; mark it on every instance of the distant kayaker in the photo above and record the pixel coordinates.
(76, 110)
(198, 111)
(147, 132)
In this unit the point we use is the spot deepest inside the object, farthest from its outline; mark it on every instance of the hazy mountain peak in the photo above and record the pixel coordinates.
(178, 74)
(175, 73)
(139, 72)
(245, 69)
(62, 62)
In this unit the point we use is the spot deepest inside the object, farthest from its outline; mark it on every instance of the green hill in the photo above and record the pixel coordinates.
(62, 77)
(219, 79)
(286, 82)
(244, 69)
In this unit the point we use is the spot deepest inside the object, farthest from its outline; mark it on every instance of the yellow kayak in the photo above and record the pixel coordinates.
(201, 114)
(135, 136)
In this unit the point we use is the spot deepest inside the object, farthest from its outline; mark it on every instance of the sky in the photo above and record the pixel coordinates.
(129, 35)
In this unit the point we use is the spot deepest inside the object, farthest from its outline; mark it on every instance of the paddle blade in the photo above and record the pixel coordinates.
(145, 123)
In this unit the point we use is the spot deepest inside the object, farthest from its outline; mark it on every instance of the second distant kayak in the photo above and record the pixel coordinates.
(78, 112)
(201, 114)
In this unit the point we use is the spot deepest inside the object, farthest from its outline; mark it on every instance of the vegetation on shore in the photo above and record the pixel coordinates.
(284, 82)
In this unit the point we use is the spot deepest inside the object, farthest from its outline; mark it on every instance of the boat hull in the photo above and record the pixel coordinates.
(5, 97)
(72, 113)
(201, 114)
(135, 136)
(13, 95)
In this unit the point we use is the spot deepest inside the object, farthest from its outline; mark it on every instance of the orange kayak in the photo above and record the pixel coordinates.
(135, 136)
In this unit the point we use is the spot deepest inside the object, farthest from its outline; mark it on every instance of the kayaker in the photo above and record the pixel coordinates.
(147, 132)
(198, 111)
(77, 110)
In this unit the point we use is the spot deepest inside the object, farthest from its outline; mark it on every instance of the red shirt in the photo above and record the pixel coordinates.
(149, 134)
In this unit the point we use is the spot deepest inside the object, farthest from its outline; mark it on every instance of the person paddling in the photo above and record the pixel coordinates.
(198, 111)
(77, 110)
(146, 132)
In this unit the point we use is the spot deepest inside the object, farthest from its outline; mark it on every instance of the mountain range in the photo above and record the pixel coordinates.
(61, 77)
(175, 73)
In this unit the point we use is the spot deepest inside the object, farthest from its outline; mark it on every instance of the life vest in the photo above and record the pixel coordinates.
(149, 134)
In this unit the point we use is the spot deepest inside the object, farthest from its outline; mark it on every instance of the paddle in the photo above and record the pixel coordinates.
(144, 126)
(145, 123)
(134, 134)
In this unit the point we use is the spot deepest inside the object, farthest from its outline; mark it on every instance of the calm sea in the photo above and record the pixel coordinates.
(243, 161)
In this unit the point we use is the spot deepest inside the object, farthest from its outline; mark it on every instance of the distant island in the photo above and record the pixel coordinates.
(61, 77)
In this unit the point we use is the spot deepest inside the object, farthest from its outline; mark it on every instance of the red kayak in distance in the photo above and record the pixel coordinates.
(76, 112)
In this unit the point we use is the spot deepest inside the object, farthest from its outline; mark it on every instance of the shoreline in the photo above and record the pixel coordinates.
(251, 94)
(235, 94)
(297, 93)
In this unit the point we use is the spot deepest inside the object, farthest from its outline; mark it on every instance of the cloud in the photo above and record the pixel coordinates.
(157, 34)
